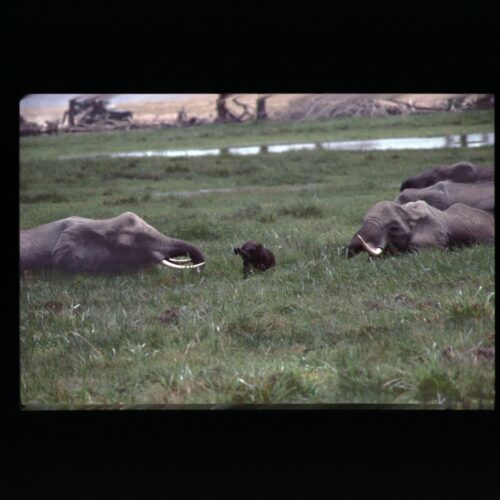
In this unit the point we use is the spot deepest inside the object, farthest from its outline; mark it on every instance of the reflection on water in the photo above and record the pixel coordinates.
(450, 141)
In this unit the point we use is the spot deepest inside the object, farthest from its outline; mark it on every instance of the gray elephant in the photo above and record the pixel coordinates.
(463, 172)
(443, 194)
(389, 225)
(124, 243)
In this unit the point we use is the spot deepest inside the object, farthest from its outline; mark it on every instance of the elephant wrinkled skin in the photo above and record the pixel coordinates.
(444, 194)
(463, 172)
(124, 243)
(389, 225)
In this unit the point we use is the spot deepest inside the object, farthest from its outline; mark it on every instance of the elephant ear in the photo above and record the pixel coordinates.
(416, 211)
(427, 228)
(463, 172)
(80, 249)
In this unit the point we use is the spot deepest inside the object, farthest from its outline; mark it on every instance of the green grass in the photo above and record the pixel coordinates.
(317, 329)
(228, 135)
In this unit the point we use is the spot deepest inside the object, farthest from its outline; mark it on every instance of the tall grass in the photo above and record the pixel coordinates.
(318, 328)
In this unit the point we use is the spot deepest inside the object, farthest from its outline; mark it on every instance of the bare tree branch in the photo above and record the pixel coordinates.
(261, 112)
(245, 109)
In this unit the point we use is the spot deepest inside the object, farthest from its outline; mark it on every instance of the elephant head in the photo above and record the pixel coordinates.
(122, 244)
(389, 225)
(463, 172)
(443, 194)
(255, 256)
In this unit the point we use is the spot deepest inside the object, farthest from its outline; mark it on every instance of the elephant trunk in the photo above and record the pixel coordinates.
(176, 251)
(179, 248)
(369, 239)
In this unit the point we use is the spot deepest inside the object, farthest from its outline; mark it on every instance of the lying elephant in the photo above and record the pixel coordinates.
(255, 256)
(416, 225)
(463, 172)
(443, 194)
(122, 244)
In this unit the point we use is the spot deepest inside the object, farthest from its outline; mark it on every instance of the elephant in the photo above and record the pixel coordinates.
(389, 225)
(255, 256)
(463, 172)
(443, 194)
(125, 243)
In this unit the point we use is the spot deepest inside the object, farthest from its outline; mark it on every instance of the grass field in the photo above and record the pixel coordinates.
(317, 329)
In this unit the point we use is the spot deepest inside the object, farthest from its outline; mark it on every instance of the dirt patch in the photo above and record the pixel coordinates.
(170, 316)
(474, 355)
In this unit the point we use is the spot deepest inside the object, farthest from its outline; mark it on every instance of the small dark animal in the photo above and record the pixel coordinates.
(255, 256)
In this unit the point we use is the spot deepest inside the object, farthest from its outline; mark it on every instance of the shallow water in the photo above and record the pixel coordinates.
(450, 141)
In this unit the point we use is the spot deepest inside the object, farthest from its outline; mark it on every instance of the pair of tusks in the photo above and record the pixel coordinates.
(172, 263)
(371, 250)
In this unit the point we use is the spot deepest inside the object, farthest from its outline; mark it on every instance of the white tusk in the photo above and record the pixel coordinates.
(178, 266)
(371, 250)
(179, 259)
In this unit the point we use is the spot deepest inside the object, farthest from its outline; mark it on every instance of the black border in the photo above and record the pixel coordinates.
(339, 52)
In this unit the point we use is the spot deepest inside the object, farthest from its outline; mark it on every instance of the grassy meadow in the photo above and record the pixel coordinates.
(319, 328)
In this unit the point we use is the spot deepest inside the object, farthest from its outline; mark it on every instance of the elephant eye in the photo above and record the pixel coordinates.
(394, 228)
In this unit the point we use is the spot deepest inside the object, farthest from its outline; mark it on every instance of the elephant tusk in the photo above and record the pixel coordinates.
(179, 259)
(178, 266)
(371, 250)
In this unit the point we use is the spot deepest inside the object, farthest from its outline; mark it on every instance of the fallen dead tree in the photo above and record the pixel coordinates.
(249, 111)
(93, 111)
(318, 106)
(29, 128)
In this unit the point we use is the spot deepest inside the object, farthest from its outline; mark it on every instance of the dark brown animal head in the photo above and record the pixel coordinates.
(255, 256)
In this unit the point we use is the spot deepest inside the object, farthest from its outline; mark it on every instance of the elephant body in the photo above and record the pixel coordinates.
(389, 225)
(443, 194)
(463, 172)
(124, 243)
(36, 244)
(255, 256)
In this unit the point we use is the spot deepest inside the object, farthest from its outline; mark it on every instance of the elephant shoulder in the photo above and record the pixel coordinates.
(466, 212)
(458, 209)
(74, 220)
